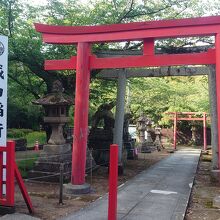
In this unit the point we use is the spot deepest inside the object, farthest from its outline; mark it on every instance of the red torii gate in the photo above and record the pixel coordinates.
(188, 116)
(148, 32)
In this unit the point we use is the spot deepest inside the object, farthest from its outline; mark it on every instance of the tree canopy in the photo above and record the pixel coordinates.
(28, 80)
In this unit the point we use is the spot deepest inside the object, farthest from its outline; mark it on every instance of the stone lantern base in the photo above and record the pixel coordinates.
(47, 167)
(145, 148)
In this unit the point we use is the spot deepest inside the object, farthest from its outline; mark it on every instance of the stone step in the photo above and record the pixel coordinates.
(51, 166)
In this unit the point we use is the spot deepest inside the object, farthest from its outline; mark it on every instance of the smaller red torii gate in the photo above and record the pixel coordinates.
(188, 116)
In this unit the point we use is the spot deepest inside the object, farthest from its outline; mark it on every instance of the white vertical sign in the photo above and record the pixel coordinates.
(3, 88)
(3, 99)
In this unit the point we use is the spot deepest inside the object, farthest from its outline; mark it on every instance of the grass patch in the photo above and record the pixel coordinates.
(26, 165)
(32, 137)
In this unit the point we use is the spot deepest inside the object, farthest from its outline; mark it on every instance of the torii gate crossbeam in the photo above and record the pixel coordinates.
(148, 32)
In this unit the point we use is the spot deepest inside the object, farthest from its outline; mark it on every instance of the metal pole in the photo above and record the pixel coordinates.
(174, 130)
(61, 184)
(113, 180)
(81, 114)
(204, 132)
(91, 167)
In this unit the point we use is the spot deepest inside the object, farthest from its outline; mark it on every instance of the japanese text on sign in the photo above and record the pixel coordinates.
(3, 88)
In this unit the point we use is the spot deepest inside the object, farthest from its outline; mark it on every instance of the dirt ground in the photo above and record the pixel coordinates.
(45, 196)
(204, 190)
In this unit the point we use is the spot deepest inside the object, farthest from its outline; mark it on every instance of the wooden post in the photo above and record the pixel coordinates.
(217, 48)
(81, 114)
(148, 47)
(174, 130)
(10, 166)
(113, 180)
(204, 132)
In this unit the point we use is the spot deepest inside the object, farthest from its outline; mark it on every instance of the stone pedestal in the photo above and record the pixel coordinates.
(47, 167)
(77, 189)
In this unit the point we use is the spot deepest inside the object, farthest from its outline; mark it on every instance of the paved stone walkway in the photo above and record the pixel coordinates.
(159, 193)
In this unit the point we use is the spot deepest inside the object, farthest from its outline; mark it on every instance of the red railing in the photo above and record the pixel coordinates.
(7, 174)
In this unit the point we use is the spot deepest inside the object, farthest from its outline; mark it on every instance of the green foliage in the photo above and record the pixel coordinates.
(26, 165)
(28, 80)
(29, 135)
(17, 133)
(32, 137)
(154, 96)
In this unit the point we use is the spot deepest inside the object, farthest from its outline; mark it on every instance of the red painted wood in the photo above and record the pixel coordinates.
(159, 33)
(190, 119)
(8, 198)
(1, 175)
(152, 61)
(128, 27)
(60, 64)
(186, 113)
(81, 114)
(113, 182)
(217, 46)
(23, 189)
(148, 47)
(10, 163)
(204, 58)
(175, 118)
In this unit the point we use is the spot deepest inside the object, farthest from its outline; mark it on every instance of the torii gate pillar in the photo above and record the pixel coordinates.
(217, 46)
(80, 135)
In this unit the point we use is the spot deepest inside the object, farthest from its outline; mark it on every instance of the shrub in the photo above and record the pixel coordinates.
(34, 136)
(17, 133)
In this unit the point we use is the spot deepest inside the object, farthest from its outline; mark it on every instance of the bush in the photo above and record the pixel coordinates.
(17, 133)
(34, 136)
(25, 166)
(30, 135)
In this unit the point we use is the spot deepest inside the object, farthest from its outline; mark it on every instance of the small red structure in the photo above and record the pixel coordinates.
(113, 182)
(148, 32)
(188, 116)
(7, 197)
(11, 172)
(36, 146)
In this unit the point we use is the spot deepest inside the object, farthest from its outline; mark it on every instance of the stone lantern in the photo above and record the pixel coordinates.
(157, 141)
(141, 127)
(149, 139)
(56, 105)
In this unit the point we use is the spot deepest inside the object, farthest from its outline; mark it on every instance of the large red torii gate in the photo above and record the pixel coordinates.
(147, 32)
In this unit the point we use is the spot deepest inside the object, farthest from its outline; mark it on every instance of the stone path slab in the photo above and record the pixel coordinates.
(159, 193)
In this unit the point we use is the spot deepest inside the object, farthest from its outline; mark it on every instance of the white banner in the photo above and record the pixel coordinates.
(3, 100)
(3, 89)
